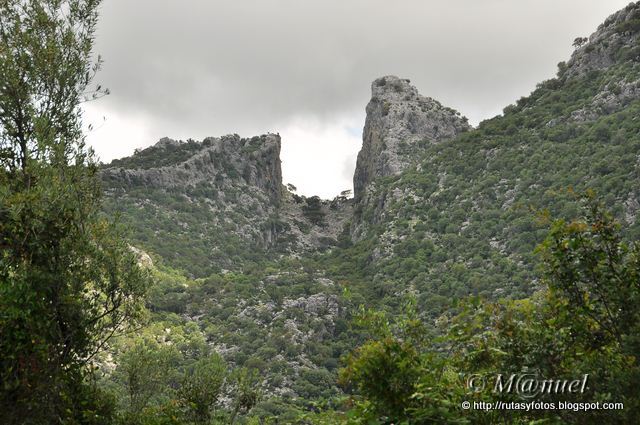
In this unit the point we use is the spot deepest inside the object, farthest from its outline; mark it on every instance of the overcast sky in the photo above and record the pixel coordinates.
(303, 68)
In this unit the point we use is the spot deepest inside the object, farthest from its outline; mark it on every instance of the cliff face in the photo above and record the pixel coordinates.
(227, 192)
(614, 41)
(201, 206)
(613, 44)
(437, 216)
(219, 203)
(398, 117)
(400, 125)
(461, 218)
(223, 162)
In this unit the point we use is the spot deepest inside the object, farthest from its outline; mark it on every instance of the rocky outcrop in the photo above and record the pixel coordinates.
(305, 234)
(400, 124)
(213, 199)
(221, 161)
(614, 41)
(613, 44)
(398, 118)
(612, 97)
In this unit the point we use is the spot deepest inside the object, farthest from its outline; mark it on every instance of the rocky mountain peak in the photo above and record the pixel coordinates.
(398, 118)
(391, 87)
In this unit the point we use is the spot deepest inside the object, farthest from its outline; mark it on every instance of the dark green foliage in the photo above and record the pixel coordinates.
(159, 156)
(68, 280)
(385, 372)
(594, 281)
(248, 392)
(145, 368)
(248, 311)
(202, 385)
(313, 211)
(580, 41)
(399, 378)
(583, 322)
(184, 233)
(470, 229)
(598, 274)
(463, 222)
(169, 375)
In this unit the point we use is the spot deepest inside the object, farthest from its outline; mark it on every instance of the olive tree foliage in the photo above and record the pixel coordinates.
(247, 391)
(68, 280)
(146, 367)
(45, 70)
(202, 387)
(596, 272)
(580, 41)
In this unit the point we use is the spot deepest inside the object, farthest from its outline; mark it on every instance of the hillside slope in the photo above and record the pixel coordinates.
(462, 221)
(441, 211)
(217, 204)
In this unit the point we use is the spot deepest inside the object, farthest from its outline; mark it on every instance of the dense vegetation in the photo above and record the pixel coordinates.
(460, 228)
(155, 156)
(68, 279)
(479, 259)
(183, 231)
(583, 321)
(465, 222)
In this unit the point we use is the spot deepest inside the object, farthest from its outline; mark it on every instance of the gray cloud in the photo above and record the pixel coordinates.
(194, 68)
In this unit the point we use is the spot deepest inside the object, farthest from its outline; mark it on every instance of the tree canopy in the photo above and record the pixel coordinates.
(68, 279)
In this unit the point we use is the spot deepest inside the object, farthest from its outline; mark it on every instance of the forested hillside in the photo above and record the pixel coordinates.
(442, 212)
(507, 248)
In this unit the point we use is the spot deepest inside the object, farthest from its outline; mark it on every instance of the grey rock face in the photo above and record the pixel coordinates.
(611, 98)
(305, 235)
(202, 198)
(221, 192)
(254, 161)
(614, 40)
(398, 117)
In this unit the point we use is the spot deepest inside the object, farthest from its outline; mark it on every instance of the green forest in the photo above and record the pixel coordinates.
(512, 249)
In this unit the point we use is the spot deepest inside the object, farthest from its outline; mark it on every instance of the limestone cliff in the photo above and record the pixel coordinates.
(216, 204)
(223, 162)
(400, 124)
(398, 117)
(614, 41)
(440, 216)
